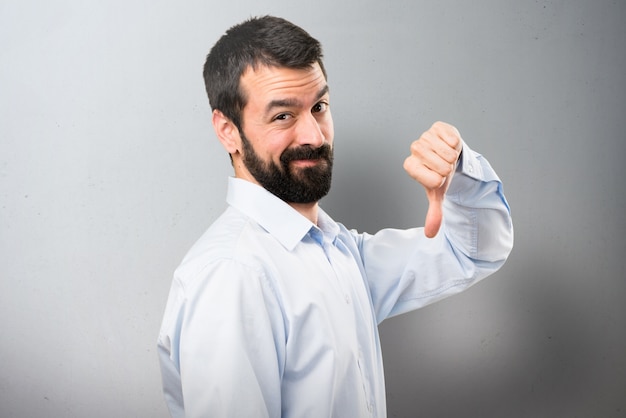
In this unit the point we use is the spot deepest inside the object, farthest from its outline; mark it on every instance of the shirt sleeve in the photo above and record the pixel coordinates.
(405, 270)
(219, 345)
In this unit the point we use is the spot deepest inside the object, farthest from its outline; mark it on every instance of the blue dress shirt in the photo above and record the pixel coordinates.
(270, 315)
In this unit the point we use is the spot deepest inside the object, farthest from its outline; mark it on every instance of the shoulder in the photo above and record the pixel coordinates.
(227, 250)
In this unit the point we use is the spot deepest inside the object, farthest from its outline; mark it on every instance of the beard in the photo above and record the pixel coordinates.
(297, 185)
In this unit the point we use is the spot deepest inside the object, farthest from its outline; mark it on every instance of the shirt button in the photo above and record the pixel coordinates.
(347, 299)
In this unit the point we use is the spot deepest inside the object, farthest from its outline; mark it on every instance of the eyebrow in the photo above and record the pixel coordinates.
(293, 102)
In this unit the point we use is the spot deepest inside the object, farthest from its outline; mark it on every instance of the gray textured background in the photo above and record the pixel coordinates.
(109, 170)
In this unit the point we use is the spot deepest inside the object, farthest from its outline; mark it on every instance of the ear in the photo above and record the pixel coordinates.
(226, 132)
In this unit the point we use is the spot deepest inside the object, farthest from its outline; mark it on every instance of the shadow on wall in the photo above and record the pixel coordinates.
(544, 351)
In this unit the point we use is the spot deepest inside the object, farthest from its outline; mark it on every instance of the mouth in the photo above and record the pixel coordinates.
(306, 158)
(306, 162)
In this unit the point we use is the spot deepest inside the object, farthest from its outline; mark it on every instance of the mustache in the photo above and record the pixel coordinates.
(307, 153)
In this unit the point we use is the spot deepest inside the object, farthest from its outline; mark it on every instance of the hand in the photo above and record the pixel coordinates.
(432, 163)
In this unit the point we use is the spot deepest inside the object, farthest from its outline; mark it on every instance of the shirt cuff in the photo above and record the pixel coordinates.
(471, 168)
(469, 165)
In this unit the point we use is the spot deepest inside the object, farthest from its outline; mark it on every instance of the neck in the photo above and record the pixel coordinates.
(308, 210)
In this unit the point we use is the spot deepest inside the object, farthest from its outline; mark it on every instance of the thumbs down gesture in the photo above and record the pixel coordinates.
(432, 163)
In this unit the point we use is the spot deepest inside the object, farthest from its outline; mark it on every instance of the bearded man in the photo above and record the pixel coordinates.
(274, 311)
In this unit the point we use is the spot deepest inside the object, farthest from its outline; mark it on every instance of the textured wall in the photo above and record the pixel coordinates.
(109, 170)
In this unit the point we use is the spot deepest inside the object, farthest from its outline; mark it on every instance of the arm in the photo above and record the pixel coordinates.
(218, 344)
(468, 233)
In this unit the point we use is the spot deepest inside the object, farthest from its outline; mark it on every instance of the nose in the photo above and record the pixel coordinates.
(310, 132)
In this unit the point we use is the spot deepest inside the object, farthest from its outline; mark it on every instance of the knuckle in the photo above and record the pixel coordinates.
(407, 163)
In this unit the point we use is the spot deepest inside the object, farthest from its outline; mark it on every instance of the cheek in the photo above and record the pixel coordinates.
(276, 144)
(328, 129)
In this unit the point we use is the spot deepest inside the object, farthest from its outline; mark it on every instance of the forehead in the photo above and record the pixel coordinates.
(265, 84)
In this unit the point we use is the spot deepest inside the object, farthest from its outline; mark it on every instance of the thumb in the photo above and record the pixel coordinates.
(434, 215)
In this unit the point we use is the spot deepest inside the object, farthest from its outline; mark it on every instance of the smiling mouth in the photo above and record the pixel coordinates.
(306, 163)
(306, 159)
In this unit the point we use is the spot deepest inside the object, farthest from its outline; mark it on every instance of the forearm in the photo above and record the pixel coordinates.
(406, 270)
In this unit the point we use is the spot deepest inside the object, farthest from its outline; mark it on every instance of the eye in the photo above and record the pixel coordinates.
(282, 116)
(319, 107)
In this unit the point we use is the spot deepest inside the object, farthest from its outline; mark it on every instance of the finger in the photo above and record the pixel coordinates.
(434, 215)
(448, 133)
(434, 150)
(420, 172)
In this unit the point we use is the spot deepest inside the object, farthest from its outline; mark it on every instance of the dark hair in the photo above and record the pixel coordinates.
(267, 40)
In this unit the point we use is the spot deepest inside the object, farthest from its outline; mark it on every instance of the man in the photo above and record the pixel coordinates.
(274, 311)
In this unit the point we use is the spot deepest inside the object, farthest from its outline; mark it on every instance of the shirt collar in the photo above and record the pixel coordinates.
(279, 219)
(328, 226)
